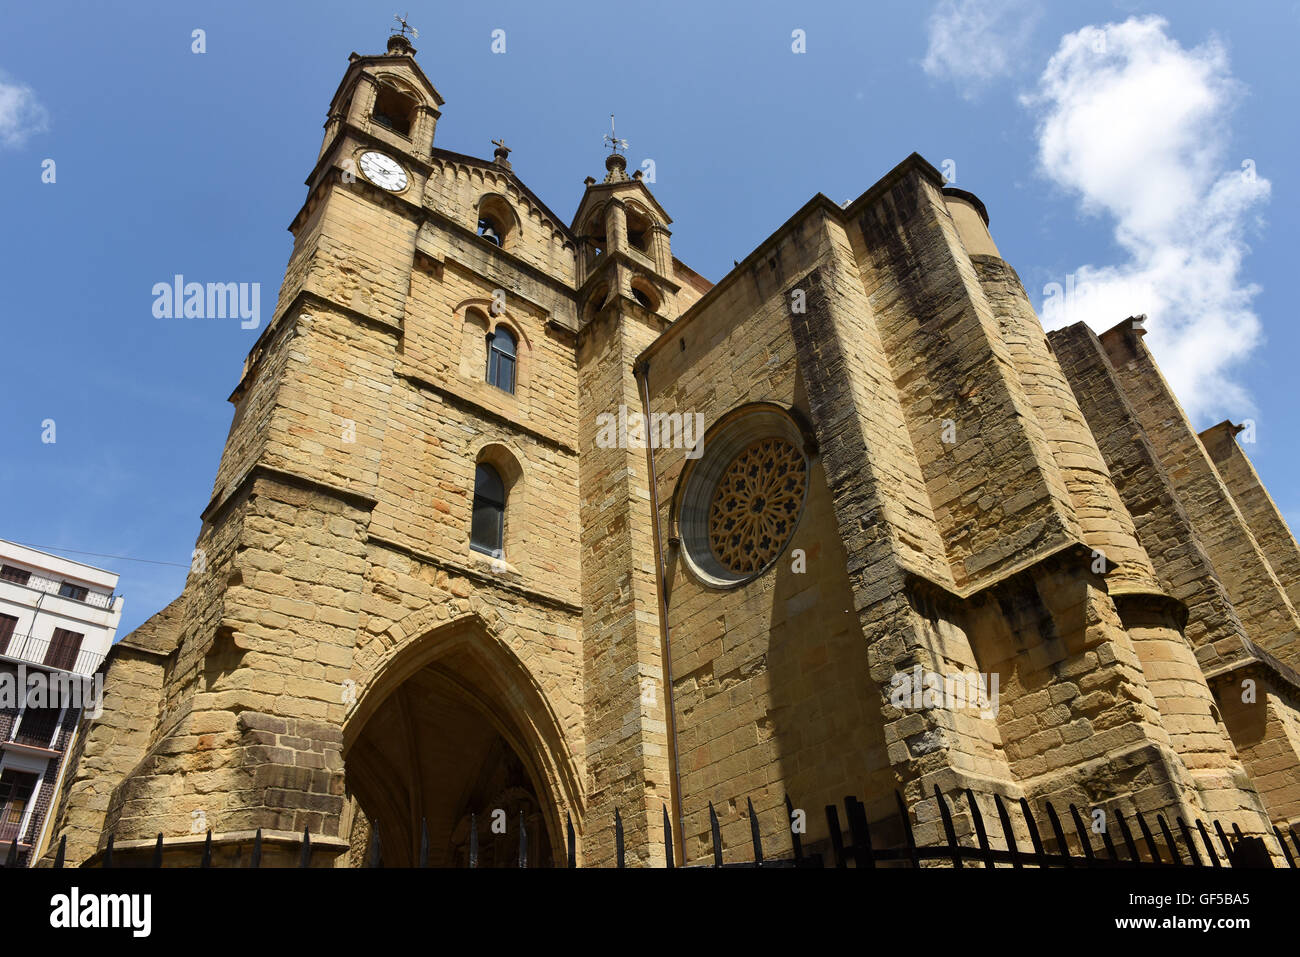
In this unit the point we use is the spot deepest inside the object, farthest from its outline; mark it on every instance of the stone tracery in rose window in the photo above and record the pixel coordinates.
(756, 504)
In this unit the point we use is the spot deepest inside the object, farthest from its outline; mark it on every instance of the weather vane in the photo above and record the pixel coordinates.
(611, 140)
(406, 27)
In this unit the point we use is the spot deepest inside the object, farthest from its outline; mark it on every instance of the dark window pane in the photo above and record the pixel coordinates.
(16, 789)
(17, 575)
(485, 534)
(503, 341)
(488, 485)
(488, 521)
(506, 374)
(69, 590)
(501, 359)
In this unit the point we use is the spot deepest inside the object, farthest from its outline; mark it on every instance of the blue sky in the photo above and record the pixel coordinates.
(1135, 153)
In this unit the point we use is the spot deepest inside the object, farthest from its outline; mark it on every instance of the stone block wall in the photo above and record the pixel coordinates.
(965, 474)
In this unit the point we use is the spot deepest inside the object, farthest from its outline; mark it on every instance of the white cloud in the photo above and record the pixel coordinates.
(1136, 126)
(20, 114)
(973, 42)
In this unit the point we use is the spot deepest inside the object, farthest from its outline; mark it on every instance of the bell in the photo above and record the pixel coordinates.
(490, 234)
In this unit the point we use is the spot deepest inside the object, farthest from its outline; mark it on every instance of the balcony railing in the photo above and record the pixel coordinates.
(37, 728)
(36, 650)
(9, 831)
(52, 586)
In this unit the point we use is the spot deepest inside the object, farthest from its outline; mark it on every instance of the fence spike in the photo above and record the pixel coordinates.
(1005, 819)
(953, 847)
(864, 854)
(668, 840)
(1209, 845)
(1054, 819)
(11, 858)
(980, 833)
(1085, 842)
(256, 860)
(1190, 841)
(1240, 837)
(207, 850)
(1286, 851)
(837, 836)
(1150, 840)
(913, 856)
(1112, 854)
(1295, 838)
(618, 837)
(1135, 859)
(305, 860)
(796, 842)
(108, 851)
(1032, 825)
(1223, 839)
(157, 851)
(717, 837)
(1169, 840)
(523, 840)
(63, 850)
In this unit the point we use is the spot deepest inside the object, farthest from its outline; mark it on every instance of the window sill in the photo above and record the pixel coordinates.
(494, 564)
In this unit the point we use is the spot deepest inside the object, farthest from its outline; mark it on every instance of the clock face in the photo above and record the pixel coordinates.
(383, 171)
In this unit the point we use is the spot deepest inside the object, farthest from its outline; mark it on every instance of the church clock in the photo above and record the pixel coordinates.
(383, 171)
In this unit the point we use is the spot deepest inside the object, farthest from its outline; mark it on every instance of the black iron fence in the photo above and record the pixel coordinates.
(1182, 845)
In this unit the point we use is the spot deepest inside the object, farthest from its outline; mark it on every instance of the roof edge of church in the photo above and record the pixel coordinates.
(914, 162)
(438, 152)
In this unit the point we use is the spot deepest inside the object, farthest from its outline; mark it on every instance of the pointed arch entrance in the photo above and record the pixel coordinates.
(452, 723)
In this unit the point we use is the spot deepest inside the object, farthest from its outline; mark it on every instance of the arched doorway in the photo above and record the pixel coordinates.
(452, 725)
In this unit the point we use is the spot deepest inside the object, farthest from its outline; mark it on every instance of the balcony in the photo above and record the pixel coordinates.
(37, 650)
(10, 830)
(54, 586)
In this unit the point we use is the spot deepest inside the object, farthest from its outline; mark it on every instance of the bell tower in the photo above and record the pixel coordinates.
(627, 297)
(385, 100)
(624, 247)
(345, 602)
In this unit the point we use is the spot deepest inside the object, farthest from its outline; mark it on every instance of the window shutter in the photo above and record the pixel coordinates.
(64, 648)
(7, 625)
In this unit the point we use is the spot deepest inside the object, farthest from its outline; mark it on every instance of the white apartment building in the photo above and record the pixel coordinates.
(58, 619)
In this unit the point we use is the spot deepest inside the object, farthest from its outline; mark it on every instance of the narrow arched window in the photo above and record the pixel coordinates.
(487, 527)
(501, 359)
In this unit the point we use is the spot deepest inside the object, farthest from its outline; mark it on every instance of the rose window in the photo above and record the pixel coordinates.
(756, 505)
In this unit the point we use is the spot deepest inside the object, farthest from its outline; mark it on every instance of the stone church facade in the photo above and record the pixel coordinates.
(428, 583)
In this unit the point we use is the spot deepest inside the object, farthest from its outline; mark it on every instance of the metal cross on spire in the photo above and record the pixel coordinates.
(611, 139)
(406, 28)
(501, 145)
